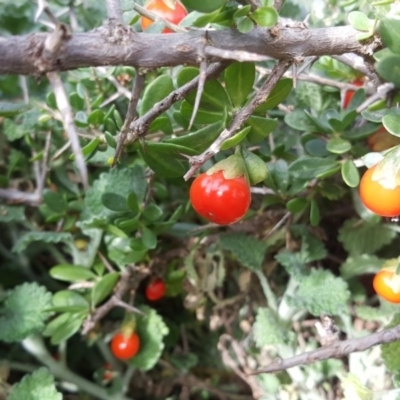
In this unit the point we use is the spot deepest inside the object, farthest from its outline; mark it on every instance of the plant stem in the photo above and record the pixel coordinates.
(268, 293)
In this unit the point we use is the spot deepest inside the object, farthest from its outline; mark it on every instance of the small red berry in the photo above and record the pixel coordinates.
(220, 200)
(155, 290)
(125, 347)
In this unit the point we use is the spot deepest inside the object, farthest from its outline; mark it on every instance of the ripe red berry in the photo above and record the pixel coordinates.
(125, 347)
(220, 200)
(155, 290)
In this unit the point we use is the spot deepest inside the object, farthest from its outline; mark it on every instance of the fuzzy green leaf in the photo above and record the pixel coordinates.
(248, 250)
(391, 351)
(267, 329)
(23, 312)
(151, 330)
(11, 213)
(47, 237)
(359, 237)
(312, 293)
(39, 385)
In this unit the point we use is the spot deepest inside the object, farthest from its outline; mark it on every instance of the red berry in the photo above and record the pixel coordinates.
(155, 290)
(350, 93)
(220, 200)
(125, 347)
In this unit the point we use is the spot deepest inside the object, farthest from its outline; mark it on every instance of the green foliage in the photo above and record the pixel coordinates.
(23, 312)
(39, 385)
(11, 213)
(267, 329)
(391, 351)
(313, 296)
(359, 237)
(151, 330)
(248, 250)
(47, 237)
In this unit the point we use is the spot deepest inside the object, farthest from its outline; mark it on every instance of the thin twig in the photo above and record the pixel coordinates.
(139, 127)
(131, 113)
(337, 350)
(69, 124)
(154, 17)
(241, 117)
(200, 89)
(124, 285)
(114, 10)
(18, 197)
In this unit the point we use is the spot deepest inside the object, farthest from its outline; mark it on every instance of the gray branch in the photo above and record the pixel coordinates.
(120, 45)
(337, 350)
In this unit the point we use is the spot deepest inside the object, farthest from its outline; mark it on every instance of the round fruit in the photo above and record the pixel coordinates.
(220, 200)
(125, 347)
(350, 93)
(155, 290)
(382, 140)
(387, 284)
(160, 8)
(380, 200)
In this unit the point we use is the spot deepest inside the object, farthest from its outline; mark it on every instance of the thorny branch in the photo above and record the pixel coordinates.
(125, 283)
(240, 118)
(337, 350)
(140, 126)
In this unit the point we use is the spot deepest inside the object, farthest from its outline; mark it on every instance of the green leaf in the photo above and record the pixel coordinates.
(64, 326)
(166, 159)
(248, 250)
(297, 205)
(24, 124)
(156, 91)
(244, 25)
(152, 212)
(96, 117)
(300, 121)
(199, 140)
(391, 122)
(39, 385)
(202, 116)
(359, 237)
(337, 145)
(360, 265)
(242, 12)
(267, 329)
(235, 139)
(265, 16)
(47, 237)
(313, 296)
(149, 238)
(11, 213)
(104, 287)
(110, 140)
(205, 6)
(133, 203)
(391, 351)
(89, 150)
(389, 69)
(9, 110)
(23, 312)
(278, 174)
(214, 96)
(151, 330)
(139, 182)
(76, 101)
(69, 301)
(276, 97)
(239, 80)
(389, 30)
(71, 273)
(312, 249)
(350, 173)
(114, 202)
(55, 201)
(309, 168)
(117, 180)
(260, 128)
(359, 21)
(81, 119)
